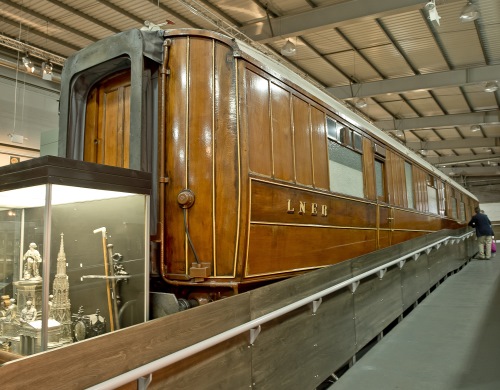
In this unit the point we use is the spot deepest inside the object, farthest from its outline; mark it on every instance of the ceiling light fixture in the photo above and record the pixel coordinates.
(423, 152)
(47, 70)
(360, 103)
(469, 12)
(491, 86)
(432, 13)
(475, 128)
(28, 63)
(288, 49)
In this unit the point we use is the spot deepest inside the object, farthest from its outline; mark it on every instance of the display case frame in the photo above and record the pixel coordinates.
(51, 175)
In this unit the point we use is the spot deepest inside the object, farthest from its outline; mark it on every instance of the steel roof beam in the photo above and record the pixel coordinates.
(329, 16)
(429, 81)
(462, 159)
(428, 122)
(455, 144)
(471, 171)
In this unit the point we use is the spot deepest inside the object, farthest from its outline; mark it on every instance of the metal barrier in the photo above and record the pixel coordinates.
(143, 374)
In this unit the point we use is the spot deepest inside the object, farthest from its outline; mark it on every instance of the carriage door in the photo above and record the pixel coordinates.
(107, 121)
(385, 225)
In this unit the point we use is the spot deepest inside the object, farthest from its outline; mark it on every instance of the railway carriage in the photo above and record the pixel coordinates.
(259, 174)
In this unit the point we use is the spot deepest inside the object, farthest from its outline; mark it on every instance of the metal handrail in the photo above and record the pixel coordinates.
(254, 325)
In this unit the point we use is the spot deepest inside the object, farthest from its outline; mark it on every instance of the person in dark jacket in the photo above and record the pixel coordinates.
(482, 223)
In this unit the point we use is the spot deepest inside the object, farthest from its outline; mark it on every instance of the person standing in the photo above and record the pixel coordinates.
(482, 223)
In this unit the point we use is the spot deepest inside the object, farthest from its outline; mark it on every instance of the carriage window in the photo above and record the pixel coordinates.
(453, 203)
(357, 141)
(345, 135)
(409, 185)
(432, 194)
(346, 171)
(379, 180)
(332, 128)
(462, 211)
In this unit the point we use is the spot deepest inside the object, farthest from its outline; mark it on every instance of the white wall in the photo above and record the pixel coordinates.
(36, 110)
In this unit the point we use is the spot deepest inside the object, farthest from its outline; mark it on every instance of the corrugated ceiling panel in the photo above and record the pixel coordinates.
(352, 64)
(427, 107)
(489, 29)
(287, 7)
(388, 61)
(417, 94)
(448, 133)
(400, 109)
(327, 41)
(365, 34)
(375, 112)
(491, 130)
(427, 135)
(453, 104)
(242, 10)
(413, 36)
(482, 101)
(324, 73)
(411, 137)
(303, 51)
(454, 43)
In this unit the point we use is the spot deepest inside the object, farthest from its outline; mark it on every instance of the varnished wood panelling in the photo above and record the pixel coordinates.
(290, 204)
(302, 137)
(420, 186)
(319, 149)
(259, 127)
(399, 236)
(107, 134)
(226, 146)
(409, 220)
(176, 154)
(282, 133)
(277, 249)
(369, 169)
(200, 146)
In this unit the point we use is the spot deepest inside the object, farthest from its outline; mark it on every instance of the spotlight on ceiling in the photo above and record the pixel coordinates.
(288, 49)
(360, 103)
(28, 63)
(432, 13)
(423, 152)
(475, 128)
(47, 70)
(491, 86)
(469, 13)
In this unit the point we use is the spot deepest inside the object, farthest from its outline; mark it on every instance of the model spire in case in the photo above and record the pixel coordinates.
(60, 309)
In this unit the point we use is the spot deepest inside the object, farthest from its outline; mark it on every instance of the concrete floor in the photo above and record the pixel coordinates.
(450, 341)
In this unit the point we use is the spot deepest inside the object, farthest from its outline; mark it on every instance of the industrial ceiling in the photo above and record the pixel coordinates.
(412, 67)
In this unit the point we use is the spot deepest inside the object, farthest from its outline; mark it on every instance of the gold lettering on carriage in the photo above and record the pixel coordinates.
(304, 208)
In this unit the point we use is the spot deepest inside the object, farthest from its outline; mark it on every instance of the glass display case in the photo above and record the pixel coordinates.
(74, 252)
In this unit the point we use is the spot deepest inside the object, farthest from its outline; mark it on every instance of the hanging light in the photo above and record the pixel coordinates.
(491, 86)
(28, 63)
(47, 70)
(432, 12)
(475, 128)
(469, 13)
(360, 103)
(423, 152)
(288, 49)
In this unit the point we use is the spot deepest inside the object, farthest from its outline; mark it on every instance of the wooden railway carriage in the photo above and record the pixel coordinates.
(260, 175)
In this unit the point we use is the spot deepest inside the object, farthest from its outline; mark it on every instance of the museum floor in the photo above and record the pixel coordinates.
(450, 341)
